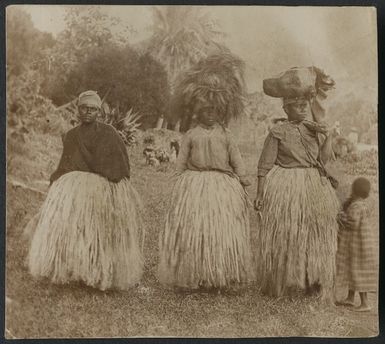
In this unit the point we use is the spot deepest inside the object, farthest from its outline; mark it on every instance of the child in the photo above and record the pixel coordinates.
(205, 242)
(357, 263)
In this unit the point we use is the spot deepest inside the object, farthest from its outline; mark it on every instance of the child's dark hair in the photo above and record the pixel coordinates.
(360, 188)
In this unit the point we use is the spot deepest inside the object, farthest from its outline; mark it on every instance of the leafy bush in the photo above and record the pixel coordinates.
(86, 28)
(26, 45)
(359, 163)
(131, 80)
(29, 111)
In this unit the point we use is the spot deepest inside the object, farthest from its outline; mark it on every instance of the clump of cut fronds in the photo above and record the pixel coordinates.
(218, 79)
(126, 124)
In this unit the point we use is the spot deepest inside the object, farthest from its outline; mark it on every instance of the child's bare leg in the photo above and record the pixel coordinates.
(350, 297)
(364, 307)
(349, 301)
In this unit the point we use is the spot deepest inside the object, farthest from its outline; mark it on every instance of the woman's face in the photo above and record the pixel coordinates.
(88, 113)
(208, 116)
(297, 111)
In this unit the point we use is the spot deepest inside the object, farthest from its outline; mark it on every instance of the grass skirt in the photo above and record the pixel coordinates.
(88, 230)
(205, 242)
(298, 231)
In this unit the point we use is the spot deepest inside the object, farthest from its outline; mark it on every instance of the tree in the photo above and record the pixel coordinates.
(27, 109)
(134, 81)
(182, 36)
(87, 28)
(355, 111)
(26, 45)
(262, 110)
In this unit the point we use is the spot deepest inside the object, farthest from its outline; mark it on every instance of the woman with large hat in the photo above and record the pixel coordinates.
(297, 203)
(89, 225)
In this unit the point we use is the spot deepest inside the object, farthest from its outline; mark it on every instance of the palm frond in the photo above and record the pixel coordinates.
(182, 35)
(219, 79)
(126, 124)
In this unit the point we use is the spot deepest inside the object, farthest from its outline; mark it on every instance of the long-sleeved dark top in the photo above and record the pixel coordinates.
(96, 148)
(289, 145)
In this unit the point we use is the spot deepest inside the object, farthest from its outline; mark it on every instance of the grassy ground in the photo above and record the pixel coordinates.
(38, 309)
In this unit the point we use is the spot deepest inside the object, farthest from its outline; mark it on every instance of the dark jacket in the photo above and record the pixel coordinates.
(95, 148)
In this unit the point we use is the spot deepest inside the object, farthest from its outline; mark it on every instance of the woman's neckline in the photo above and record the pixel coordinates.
(208, 128)
(296, 123)
(358, 199)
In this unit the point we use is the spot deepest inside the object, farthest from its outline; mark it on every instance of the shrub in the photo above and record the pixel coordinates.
(29, 111)
(129, 81)
(362, 163)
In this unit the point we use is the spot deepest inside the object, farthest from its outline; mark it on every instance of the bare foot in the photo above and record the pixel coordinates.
(346, 303)
(362, 308)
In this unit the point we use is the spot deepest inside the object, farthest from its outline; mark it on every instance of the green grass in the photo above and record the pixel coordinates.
(38, 309)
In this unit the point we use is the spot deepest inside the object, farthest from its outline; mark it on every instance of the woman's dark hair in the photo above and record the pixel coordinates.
(360, 188)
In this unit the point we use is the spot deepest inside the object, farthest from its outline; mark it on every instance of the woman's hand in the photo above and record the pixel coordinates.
(245, 181)
(258, 203)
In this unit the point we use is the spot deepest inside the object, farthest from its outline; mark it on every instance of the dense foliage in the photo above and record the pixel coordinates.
(85, 55)
(130, 79)
(25, 44)
(92, 53)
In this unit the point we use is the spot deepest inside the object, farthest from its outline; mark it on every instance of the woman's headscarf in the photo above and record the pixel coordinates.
(90, 98)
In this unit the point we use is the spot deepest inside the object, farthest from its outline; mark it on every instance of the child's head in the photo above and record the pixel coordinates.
(361, 187)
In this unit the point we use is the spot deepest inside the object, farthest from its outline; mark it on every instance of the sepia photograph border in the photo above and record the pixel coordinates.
(380, 6)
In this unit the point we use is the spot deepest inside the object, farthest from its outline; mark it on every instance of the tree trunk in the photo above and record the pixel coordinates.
(159, 124)
(177, 126)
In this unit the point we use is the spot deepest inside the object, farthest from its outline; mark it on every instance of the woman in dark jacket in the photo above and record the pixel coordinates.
(88, 227)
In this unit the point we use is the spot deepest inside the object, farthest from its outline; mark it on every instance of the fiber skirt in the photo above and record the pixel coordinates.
(205, 242)
(298, 231)
(88, 230)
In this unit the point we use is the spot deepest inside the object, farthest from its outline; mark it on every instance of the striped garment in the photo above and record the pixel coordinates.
(357, 255)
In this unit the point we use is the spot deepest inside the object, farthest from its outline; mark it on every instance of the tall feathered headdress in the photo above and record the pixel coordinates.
(218, 80)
